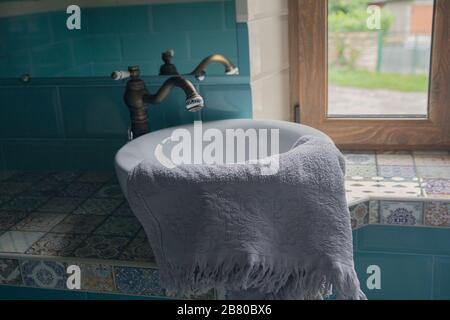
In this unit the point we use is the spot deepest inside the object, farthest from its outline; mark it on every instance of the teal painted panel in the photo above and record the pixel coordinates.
(123, 19)
(420, 240)
(28, 112)
(188, 16)
(230, 14)
(230, 102)
(22, 293)
(106, 48)
(402, 276)
(15, 63)
(35, 155)
(92, 154)
(94, 112)
(441, 279)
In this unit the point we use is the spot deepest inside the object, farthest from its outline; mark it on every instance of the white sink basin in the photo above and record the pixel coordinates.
(144, 147)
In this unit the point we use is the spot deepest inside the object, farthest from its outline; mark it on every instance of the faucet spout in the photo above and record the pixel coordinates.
(200, 71)
(194, 101)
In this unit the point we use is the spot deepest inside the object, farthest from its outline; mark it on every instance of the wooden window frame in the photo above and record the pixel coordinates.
(309, 87)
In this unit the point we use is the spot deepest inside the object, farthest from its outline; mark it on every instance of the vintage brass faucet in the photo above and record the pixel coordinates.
(137, 98)
(200, 71)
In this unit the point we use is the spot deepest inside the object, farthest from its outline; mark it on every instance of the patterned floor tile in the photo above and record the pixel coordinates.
(56, 244)
(361, 171)
(124, 210)
(61, 205)
(436, 187)
(10, 272)
(31, 177)
(13, 188)
(139, 250)
(437, 214)
(80, 189)
(39, 221)
(433, 172)
(5, 175)
(401, 213)
(78, 224)
(400, 172)
(44, 274)
(119, 226)
(102, 247)
(46, 187)
(432, 159)
(96, 177)
(97, 206)
(18, 241)
(395, 158)
(96, 277)
(140, 281)
(359, 215)
(24, 203)
(110, 191)
(64, 176)
(10, 218)
(359, 158)
(374, 211)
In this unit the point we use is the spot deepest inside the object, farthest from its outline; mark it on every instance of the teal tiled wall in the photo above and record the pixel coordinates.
(414, 261)
(71, 116)
(79, 124)
(111, 38)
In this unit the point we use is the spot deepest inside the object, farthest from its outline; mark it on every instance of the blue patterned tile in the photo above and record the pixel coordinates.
(401, 213)
(437, 187)
(119, 226)
(395, 158)
(359, 215)
(103, 247)
(80, 189)
(10, 272)
(96, 277)
(44, 274)
(9, 218)
(433, 172)
(24, 203)
(97, 206)
(404, 172)
(61, 205)
(138, 281)
(354, 158)
(436, 214)
(56, 244)
(39, 221)
(80, 224)
(365, 171)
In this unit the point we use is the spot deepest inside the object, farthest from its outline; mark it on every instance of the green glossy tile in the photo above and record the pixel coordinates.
(188, 16)
(218, 42)
(93, 154)
(106, 48)
(441, 279)
(420, 240)
(230, 102)
(230, 14)
(402, 276)
(28, 112)
(50, 60)
(149, 46)
(21, 293)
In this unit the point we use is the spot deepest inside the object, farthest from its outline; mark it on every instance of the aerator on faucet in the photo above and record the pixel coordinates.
(137, 98)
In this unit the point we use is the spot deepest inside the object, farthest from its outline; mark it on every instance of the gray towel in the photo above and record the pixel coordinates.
(286, 235)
